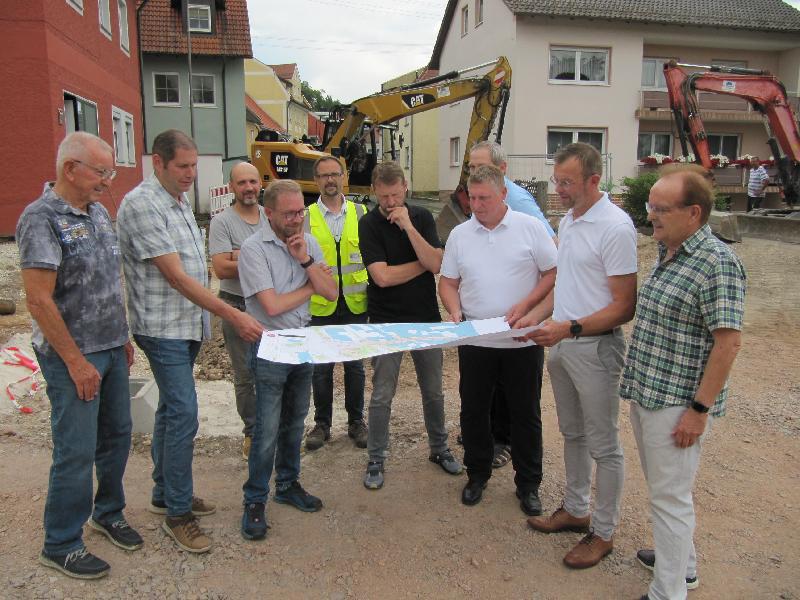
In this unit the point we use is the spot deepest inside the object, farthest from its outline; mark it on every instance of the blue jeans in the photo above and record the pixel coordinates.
(176, 419)
(283, 393)
(96, 433)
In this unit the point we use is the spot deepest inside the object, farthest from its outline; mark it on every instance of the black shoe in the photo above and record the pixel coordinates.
(295, 495)
(529, 503)
(254, 521)
(80, 564)
(358, 432)
(472, 492)
(119, 532)
(647, 558)
(317, 437)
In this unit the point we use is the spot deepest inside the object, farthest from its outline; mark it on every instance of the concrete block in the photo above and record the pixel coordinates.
(725, 226)
(144, 401)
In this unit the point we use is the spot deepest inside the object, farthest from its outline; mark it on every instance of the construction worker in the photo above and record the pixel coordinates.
(333, 221)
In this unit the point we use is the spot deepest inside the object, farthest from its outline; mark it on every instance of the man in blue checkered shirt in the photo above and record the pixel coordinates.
(685, 339)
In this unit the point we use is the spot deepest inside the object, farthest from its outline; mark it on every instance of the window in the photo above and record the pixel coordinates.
(124, 38)
(722, 143)
(478, 12)
(558, 137)
(199, 18)
(77, 5)
(166, 88)
(653, 73)
(455, 151)
(203, 89)
(80, 114)
(654, 143)
(104, 9)
(578, 65)
(464, 20)
(124, 148)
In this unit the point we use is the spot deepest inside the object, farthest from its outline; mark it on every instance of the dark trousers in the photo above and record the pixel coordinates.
(354, 377)
(519, 371)
(754, 202)
(500, 417)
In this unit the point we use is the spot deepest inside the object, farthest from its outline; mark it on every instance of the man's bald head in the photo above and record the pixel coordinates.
(245, 183)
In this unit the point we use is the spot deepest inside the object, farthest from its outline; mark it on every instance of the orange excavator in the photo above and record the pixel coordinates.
(766, 94)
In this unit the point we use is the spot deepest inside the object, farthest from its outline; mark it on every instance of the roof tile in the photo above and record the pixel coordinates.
(163, 33)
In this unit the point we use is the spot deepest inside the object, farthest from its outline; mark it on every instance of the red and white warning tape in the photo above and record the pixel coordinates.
(20, 359)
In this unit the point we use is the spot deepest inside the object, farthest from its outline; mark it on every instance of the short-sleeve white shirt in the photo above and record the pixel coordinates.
(599, 244)
(497, 267)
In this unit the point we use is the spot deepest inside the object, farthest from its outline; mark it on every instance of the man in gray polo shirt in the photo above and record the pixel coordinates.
(70, 263)
(225, 236)
(280, 268)
(163, 254)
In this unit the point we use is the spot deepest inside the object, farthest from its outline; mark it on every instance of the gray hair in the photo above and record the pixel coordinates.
(496, 152)
(278, 187)
(488, 174)
(74, 146)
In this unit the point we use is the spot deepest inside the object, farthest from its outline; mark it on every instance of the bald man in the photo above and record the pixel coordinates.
(227, 232)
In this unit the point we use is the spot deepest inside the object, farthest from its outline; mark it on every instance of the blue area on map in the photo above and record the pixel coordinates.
(394, 331)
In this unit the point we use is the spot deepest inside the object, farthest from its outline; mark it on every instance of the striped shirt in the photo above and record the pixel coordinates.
(683, 301)
(757, 184)
(153, 223)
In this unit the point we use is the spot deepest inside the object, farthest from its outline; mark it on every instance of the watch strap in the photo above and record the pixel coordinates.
(699, 407)
(308, 263)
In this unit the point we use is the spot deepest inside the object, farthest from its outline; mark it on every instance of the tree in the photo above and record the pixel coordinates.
(319, 99)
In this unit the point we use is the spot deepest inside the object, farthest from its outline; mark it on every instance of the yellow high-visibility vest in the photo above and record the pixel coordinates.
(347, 265)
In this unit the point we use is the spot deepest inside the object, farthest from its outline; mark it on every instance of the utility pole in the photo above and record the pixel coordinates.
(191, 98)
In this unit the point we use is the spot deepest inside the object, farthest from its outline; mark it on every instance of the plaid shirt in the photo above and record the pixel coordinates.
(697, 291)
(152, 223)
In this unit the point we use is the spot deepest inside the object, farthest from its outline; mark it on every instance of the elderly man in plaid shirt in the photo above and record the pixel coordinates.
(686, 337)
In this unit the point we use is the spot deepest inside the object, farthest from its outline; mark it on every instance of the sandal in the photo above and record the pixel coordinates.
(502, 454)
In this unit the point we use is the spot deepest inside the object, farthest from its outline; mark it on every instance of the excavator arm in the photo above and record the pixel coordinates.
(490, 91)
(765, 93)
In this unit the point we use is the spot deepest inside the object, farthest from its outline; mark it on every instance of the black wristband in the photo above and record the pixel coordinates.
(699, 407)
(308, 263)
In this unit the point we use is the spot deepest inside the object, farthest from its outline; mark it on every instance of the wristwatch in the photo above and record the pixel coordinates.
(308, 263)
(699, 407)
(575, 329)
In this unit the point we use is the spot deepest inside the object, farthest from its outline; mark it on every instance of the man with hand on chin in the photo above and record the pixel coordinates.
(280, 268)
(402, 252)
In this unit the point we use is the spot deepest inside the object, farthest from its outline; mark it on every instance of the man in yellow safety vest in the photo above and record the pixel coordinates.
(333, 221)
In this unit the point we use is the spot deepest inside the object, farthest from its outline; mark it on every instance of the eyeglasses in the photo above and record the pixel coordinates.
(328, 175)
(564, 183)
(660, 210)
(102, 173)
(292, 214)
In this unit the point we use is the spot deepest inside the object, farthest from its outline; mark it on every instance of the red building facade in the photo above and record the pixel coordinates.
(67, 65)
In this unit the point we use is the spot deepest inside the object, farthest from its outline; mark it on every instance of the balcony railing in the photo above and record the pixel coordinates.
(654, 104)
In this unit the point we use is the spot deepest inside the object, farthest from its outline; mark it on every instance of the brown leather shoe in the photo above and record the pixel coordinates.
(560, 520)
(589, 551)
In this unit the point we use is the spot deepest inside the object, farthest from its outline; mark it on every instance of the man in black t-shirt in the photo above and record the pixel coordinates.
(402, 252)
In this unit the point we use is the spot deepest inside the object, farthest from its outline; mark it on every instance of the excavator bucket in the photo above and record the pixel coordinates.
(450, 216)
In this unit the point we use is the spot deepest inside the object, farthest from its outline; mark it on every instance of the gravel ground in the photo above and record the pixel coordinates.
(413, 539)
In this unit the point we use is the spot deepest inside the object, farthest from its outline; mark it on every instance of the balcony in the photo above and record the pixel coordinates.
(730, 179)
(654, 106)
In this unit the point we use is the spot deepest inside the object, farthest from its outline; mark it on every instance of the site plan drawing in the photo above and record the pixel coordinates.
(338, 343)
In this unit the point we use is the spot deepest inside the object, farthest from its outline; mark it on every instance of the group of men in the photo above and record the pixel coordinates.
(335, 263)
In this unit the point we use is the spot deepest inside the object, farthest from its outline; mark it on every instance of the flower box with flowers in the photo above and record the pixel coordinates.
(656, 159)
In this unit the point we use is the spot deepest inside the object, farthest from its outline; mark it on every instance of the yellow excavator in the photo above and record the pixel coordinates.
(348, 129)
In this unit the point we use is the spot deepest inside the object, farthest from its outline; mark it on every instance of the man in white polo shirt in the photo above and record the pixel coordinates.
(499, 263)
(595, 293)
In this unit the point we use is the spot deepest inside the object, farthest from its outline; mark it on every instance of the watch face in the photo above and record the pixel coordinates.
(576, 328)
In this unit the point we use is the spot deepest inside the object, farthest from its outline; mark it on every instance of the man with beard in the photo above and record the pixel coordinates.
(280, 268)
(333, 221)
(227, 232)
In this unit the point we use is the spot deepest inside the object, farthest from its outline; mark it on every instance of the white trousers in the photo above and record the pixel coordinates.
(670, 472)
